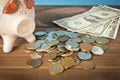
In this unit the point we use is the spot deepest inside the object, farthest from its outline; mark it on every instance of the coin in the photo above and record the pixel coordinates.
(31, 46)
(67, 53)
(87, 65)
(50, 56)
(89, 40)
(103, 46)
(70, 48)
(97, 50)
(56, 68)
(77, 39)
(71, 43)
(76, 61)
(84, 56)
(52, 42)
(63, 38)
(60, 33)
(85, 47)
(44, 47)
(40, 33)
(71, 34)
(36, 56)
(34, 63)
(102, 40)
(67, 62)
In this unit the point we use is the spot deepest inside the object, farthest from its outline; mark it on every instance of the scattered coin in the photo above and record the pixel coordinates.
(84, 56)
(40, 33)
(56, 68)
(97, 50)
(34, 63)
(63, 38)
(87, 65)
(76, 61)
(67, 62)
(102, 40)
(89, 40)
(85, 47)
(36, 56)
(51, 56)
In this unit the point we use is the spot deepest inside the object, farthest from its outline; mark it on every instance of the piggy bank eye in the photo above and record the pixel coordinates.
(10, 7)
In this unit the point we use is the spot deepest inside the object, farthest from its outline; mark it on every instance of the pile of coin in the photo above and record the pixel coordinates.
(66, 49)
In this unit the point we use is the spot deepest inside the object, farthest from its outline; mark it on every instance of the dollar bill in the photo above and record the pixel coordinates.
(98, 21)
(112, 30)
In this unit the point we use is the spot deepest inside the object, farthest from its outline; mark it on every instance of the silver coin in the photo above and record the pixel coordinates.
(72, 48)
(36, 56)
(72, 43)
(97, 50)
(43, 47)
(40, 33)
(71, 34)
(52, 43)
(60, 33)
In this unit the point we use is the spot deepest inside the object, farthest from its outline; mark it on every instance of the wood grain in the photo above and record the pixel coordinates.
(13, 66)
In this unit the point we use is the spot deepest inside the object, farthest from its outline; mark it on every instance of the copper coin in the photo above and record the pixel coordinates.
(87, 65)
(85, 47)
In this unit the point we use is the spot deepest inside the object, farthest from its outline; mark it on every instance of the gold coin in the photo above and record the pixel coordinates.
(56, 68)
(67, 53)
(34, 63)
(50, 56)
(87, 65)
(67, 62)
(85, 47)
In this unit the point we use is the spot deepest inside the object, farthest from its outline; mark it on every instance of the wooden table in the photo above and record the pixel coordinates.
(13, 66)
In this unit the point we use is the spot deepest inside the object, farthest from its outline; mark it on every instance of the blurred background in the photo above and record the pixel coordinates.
(77, 2)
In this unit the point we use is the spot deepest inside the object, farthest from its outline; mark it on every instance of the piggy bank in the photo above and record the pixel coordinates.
(17, 19)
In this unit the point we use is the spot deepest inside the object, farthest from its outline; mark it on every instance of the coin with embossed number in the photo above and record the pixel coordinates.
(97, 50)
(34, 63)
(56, 68)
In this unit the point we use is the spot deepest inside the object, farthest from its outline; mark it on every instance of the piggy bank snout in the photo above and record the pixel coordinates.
(25, 27)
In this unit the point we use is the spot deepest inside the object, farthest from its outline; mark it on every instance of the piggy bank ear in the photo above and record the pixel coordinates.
(27, 3)
(10, 7)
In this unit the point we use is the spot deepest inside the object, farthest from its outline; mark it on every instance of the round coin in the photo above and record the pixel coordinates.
(97, 50)
(67, 62)
(56, 68)
(87, 65)
(84, 56)
(89, 40)
(85, 47)
(40, 33)
(36, 56)
(72, 43)
(50, 56)
(34, 63)
(76, 61)
(63, 38)
(102, 40)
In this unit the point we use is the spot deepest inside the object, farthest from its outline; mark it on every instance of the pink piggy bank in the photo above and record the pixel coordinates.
(17, 19)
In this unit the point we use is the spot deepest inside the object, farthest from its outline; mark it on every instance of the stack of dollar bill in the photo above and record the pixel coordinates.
(101, 21)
